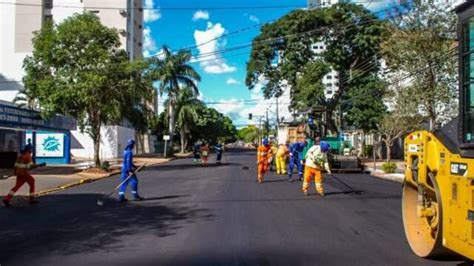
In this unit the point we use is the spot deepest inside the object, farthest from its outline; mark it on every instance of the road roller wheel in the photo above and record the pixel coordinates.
(424, 234)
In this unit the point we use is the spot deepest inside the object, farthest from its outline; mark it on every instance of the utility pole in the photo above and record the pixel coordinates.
(277, 118)
(267, 125)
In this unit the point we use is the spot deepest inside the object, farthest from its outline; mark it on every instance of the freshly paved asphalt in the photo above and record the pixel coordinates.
(212, 216)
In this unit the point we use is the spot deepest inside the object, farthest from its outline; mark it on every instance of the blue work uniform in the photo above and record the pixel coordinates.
(219, 151)
(196, 155)
(296, 152)
(127, 168)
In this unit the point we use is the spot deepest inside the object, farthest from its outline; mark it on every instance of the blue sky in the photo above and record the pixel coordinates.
(223, 75)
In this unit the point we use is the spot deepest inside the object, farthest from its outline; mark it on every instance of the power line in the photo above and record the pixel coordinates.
(252, 27)
(170, 8)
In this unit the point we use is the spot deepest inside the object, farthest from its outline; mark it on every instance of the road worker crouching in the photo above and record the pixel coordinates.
(316, 160)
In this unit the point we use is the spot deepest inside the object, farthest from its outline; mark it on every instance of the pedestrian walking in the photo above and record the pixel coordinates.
(23, 164)
(128, 168)
(316, 161)
(263, 156)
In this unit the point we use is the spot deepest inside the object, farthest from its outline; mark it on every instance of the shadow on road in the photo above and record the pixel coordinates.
(64, 224)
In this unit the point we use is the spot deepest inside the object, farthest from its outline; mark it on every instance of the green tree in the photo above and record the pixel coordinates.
(249, 134)
(212, 126)
(173, 73)
(422, 46)
(283, 51)
(186, 111)
(78, 69)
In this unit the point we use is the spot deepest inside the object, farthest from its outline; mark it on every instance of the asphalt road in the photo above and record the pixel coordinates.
(212, 216)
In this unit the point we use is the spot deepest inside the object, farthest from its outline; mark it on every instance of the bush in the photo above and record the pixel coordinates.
(389, 168)
(105, 166)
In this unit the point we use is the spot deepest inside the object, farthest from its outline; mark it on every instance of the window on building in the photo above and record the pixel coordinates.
(140, 26)
(96, 12)
(140, 44)
(329, 92)
(48, 4)
(329, 77)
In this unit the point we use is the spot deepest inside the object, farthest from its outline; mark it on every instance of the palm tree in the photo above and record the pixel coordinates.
(24, 99)
(186, 111)
(173, 73)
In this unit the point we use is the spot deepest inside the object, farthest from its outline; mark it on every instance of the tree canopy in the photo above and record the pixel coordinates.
(284, 52)
(78, 69)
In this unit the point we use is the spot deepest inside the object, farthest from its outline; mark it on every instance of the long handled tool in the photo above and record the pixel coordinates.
(100, 202)
(355, 191)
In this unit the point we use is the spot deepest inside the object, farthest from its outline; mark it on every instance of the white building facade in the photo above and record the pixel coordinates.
(21, 18)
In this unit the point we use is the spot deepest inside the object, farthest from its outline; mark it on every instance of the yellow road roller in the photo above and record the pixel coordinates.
(438, 192)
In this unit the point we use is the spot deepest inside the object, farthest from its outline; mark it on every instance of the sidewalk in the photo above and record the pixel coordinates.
(57, 177)
(398, 176)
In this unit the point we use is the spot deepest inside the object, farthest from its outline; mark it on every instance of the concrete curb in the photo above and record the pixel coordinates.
(85, 181)
(396, 177)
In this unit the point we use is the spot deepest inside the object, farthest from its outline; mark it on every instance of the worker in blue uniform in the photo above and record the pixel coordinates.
(296, 152)
(196, 155)
(219, 150)
(128, 168)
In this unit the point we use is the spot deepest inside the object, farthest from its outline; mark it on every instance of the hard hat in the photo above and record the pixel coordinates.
(265, 141)
(324, 146)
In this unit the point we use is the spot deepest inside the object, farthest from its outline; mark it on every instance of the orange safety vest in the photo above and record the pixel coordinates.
(205, 151)
(23, 163)
(263, 153)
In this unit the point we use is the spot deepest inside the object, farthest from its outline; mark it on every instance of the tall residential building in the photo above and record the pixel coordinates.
(331, 79)
(20, 18)
(449, 3)
(324, 3)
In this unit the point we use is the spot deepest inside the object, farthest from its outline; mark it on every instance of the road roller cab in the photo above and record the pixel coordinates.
(438, 193)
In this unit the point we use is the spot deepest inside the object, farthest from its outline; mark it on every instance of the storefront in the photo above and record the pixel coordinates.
(51, 138)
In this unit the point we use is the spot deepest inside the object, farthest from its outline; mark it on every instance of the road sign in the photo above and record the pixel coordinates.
(166, 137)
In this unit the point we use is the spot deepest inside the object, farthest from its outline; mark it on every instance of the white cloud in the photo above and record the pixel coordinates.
(232, 81)
(149, 14)
(230, 108)
(149, 45)
(254, 18)
(201, 14)
(208, 45)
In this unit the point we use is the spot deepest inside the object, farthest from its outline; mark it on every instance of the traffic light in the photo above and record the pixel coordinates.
(250, 116)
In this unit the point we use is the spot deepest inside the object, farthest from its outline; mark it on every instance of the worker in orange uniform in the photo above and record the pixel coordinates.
(204, 154)
(281, 157)
(23, 163)
(263, 156)
(316, 160)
